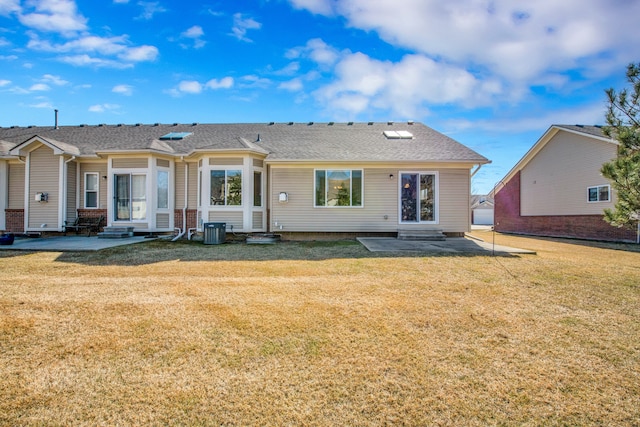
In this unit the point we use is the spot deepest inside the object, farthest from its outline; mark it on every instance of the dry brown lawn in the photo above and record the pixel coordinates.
(321, 334)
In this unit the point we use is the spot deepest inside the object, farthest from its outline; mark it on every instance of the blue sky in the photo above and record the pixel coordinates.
(493, 75)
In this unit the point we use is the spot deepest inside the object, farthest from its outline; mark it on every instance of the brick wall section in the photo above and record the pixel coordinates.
(589, 227)
(192, 218)
(14, 220)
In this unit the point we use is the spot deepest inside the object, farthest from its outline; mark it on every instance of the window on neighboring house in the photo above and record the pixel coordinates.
(163, 190)
(338, 188)
(598, 194)
(226, 187)
(91, 190)
(257, 188)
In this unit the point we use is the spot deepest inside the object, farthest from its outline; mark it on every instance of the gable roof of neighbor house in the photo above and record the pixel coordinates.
(589, 131)
(480, 201)
(277, 141)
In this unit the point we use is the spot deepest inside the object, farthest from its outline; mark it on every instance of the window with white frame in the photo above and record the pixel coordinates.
(226, 187)
(91, 187)
(600, 193)
(163, 189)
(338, 188)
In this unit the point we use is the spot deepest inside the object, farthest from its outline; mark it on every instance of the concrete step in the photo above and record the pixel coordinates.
(116, 232)
(425, 235)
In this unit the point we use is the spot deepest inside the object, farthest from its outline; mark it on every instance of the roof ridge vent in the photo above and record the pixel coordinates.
(390, 122)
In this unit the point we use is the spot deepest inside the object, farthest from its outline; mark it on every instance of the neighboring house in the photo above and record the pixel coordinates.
(481, 210)
(557, 190)
(284, 177)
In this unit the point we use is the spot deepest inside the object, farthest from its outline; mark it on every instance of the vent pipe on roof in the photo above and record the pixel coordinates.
(56, 117)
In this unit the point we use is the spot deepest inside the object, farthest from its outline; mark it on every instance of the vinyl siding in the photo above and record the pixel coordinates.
(380, 200)
(555, 181)
(16, 186)
(225, 161)
(162, 220)
(193, 185)
(455, 193)
(44, 170)
(230, 218)
(131, 163)
(101, 169)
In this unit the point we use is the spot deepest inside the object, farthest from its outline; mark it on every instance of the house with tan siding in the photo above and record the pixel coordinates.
(556, 189)
(297, 179)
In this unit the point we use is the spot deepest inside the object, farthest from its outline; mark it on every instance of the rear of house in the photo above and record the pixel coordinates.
(557, 190)
(292, 178)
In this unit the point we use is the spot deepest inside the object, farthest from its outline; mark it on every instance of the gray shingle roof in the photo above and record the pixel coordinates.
(590, 130)
(281, 141)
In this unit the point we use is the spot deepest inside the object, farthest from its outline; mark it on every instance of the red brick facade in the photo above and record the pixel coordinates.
(589, 227)
(14, 220)
(192, 219)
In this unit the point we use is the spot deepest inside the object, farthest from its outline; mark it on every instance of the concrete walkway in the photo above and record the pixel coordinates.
(452, 245)
(69, 243)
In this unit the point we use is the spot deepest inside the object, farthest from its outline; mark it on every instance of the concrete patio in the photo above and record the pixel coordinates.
(69, 243)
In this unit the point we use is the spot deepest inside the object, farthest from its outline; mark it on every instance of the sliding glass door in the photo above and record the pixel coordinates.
(130, 201)
(418, 198)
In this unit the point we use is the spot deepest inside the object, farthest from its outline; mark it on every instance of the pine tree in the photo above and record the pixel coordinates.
(623, 124)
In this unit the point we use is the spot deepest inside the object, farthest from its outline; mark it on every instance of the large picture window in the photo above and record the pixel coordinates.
(418, 197)
(338, 188)
(226, 187)
(130, 197)
(91, 190)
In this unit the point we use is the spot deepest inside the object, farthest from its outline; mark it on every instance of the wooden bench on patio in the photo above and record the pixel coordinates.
(83, 223)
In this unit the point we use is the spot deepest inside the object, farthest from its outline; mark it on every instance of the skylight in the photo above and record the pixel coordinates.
(398, 134)
(173, 136)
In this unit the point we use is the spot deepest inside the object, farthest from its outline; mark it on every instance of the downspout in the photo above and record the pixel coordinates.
(64, 190)
(186, 199)
(475, 171)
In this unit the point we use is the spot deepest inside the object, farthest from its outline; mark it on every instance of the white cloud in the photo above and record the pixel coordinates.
(56, 80)
(9, 6)
(106, 46)
(196, 34)
(253, 81)
(223, 83)
(139, 54)
(121, 1)
(316, 50)
(4, 83)
(8, 57)
(320, 7)
(293, 85)
(39, 87)
(126, 90)
(58, 16)
(405, 87)
(101, 108)
(44, 104)
(149, 9)
(242, 25)
(521, 43)
(190, 86)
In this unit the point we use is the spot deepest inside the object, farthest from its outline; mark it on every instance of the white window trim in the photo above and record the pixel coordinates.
(84, 184)
(598, 191)
(315, 176)
(436, 199)
(243, 186)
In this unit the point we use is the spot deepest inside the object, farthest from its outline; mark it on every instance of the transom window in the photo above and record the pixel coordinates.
(226, 187)
(338, 188)
(598, 193)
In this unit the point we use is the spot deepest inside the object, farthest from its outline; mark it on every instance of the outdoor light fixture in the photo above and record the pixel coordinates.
(390, 176)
